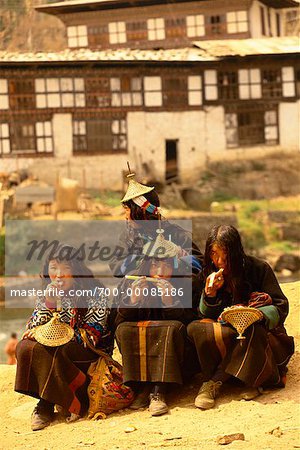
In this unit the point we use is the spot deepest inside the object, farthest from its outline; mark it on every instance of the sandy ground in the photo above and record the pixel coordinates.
(271, 422)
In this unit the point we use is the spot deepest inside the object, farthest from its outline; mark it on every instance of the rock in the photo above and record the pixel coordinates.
(228, 438)
(276, 432)
(130, 429)
(287, 261)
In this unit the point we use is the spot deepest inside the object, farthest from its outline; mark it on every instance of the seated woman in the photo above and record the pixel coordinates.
(151, 327)
(57, 375)
(141, 207)
(231, 278)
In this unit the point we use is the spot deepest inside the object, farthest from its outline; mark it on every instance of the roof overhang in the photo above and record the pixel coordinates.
(72, 6)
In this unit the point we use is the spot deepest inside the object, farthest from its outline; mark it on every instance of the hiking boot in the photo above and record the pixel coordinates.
(142, 398)
(41, 417)
(207, 394)
(157, 405)
(250, 393)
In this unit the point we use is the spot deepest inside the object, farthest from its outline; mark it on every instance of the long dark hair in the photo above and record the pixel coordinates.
(137, 213)
(228, 239)
(83, 277)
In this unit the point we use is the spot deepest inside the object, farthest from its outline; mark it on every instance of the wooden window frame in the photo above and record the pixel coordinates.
(195, 25)
(232, 19)
(4, 139)
(61, 93)
(76, 33)
(154, 30)
(271, 88)
(118, 35)
(174, 96)
(4, 96)
(123, 92)
(228, 85)
(22, 94)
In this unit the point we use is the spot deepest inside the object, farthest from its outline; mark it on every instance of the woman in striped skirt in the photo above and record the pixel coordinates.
(234, 278)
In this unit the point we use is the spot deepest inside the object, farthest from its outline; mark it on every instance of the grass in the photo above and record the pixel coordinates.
(108, 198)
(253, 223)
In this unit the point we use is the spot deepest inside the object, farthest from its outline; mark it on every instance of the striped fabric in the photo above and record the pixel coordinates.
(55, 374)
(152, 351)
(259, 360)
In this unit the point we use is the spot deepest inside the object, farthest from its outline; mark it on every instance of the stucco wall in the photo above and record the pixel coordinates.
(198, 133)
(289, 119)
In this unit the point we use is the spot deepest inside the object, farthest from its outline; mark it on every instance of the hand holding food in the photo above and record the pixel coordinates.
(214, 282)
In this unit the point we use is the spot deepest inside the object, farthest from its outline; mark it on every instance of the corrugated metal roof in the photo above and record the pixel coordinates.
(182, 54)
(247, 47)
(202, 51)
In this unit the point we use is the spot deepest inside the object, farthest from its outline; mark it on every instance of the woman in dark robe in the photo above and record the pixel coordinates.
(141, 205)
(58, 375)
(151, 321)
(234, 278)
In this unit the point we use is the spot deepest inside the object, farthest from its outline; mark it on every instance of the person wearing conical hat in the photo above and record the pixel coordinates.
(152, 314)
(57, 375)
(142, 211)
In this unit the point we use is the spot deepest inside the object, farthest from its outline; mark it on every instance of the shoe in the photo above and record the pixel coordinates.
(142, 398)
(250, 393)
(41, 418)
(158, 405)
(207, 394)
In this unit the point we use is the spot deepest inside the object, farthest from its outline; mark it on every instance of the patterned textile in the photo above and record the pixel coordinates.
(259, 360)
(55, 374)
(152, 350)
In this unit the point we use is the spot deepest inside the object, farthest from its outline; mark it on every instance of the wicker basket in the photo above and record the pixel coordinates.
(241, 317)
(54, 333)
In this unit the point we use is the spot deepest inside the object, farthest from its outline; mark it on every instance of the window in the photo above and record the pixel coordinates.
(98, 92)
(98, 36)
(118, 128)
(249, 84)
(215, 25)
(136, 31)
(262, 20)
(79, 136)
(59, 92)
(195, 90)
(44, 139)
(271, 127)
(4, 103)
(288, 82)
(77, 36)
(175, 27)
(156, 29)
(237, 22)
(251, 126)
(227, 85)
(117, 32)
(126, 91)
(22, 136)
(4, 139)
(152, 91)
(100, 135)
(21, 94)
(175, 91)
(195, 26)
(210, 83)
(271, 83)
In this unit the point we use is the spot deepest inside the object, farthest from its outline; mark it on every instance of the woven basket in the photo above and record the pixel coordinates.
(161, 248)
(54, 333)
(135, 189)
(241, 317)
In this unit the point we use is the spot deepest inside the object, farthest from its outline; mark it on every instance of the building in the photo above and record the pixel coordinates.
(201, 81)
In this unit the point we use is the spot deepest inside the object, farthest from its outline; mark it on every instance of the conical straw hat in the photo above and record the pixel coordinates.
(160, 248)
(135, 189)
(54, 333)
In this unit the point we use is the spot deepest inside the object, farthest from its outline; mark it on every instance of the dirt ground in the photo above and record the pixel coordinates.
(271, 422)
